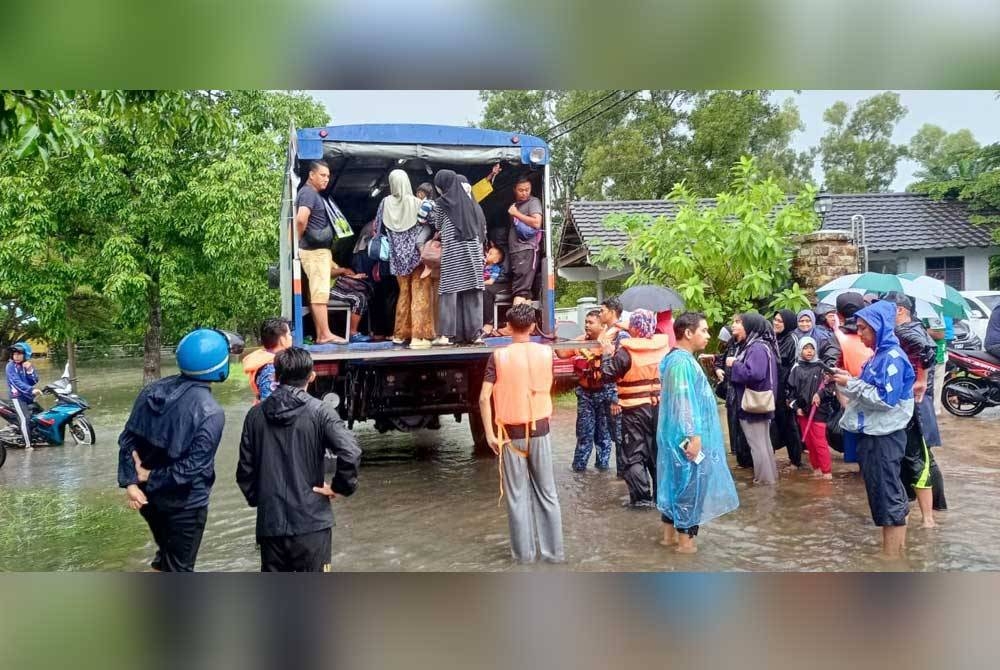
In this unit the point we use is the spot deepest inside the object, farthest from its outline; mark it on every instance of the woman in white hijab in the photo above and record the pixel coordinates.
(397, 216)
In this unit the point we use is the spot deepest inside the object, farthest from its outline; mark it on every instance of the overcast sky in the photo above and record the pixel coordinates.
(979, 111)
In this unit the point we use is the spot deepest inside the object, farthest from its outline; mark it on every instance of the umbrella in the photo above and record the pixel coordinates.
(923, 309)
(653, 298)
(876, 282)
(952, 302)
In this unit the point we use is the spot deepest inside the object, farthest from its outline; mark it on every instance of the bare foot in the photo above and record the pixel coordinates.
(929, 523)
(334, 340)
(669, 536)
(686, 545)
(827, 475)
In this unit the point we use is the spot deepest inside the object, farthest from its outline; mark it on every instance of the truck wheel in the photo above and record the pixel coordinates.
(479, 445)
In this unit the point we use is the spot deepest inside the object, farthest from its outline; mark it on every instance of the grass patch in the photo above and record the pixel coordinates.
(48, 529)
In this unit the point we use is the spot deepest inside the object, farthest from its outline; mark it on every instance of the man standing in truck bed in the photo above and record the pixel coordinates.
(525, 237)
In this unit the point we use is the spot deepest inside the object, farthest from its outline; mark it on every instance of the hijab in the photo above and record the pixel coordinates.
(786, 338)
(643, 321)
(758, 329)
(399, 208)
(480, 216)
(802, 344)
(457, 204)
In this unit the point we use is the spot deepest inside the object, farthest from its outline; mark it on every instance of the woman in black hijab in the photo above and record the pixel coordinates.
(755, 369)
(784, 431)
(460, 305)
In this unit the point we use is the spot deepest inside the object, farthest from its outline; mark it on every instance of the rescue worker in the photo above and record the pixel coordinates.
(847, 352)
(593, 398)
(21, 380)
(275, 336)
(280, 469)
(635, 368)
(166, 456)
(518, 380)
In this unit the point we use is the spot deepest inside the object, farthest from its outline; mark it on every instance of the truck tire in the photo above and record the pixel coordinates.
(479, 445)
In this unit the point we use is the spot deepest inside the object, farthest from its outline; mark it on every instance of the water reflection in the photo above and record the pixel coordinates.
(426, 504)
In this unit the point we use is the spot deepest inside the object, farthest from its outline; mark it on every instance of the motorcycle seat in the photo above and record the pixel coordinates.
(983, 356)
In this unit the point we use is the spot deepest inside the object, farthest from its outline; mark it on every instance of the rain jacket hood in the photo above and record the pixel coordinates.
(284, 407)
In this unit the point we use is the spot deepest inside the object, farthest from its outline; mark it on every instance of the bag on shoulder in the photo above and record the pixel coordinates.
(378, 247)
(524, 232)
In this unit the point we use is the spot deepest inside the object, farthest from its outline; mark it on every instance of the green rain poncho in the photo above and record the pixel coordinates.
(687, 493)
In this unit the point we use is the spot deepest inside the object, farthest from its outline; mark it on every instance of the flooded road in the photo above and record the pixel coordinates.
(425, 504)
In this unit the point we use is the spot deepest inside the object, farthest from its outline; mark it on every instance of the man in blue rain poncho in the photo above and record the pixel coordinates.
(879, 407)
(695, 484)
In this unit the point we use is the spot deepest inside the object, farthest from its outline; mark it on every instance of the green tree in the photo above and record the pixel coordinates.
(942, 155)
(173, 218)
(725, 258)
(857, 152)
(726, 125)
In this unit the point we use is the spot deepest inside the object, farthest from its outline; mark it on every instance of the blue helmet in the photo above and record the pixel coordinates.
(23, 347)
(203, 354)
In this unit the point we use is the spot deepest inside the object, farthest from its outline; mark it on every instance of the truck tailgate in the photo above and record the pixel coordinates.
(385, 352)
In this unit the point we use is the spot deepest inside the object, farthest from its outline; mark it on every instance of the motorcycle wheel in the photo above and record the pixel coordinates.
(3, 454)
(959, 406)
(82, 431)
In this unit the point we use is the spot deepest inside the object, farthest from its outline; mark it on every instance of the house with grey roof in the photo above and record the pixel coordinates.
(903, 232)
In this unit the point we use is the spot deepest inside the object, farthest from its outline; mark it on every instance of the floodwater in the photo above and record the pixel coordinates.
(426, 504)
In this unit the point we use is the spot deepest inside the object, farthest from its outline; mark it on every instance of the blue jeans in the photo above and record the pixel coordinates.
(592, 415)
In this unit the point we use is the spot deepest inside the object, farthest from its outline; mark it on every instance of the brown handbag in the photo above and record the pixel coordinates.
(430, 254)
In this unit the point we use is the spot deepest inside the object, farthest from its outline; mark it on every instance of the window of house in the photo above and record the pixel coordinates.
(949, 269)
(887, 266)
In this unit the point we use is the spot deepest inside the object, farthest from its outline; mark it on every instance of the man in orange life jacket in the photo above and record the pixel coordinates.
(593, 397)
(518, 381)
(275, 336)
(636, 367)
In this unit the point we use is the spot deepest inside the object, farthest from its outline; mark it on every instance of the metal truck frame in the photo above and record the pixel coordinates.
(396, 387)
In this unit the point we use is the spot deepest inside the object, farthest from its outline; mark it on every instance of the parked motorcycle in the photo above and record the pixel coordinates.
(49, 427)
(971, 382)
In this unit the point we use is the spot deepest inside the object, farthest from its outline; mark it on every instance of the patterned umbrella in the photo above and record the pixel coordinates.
(952, 302)
(876, 282)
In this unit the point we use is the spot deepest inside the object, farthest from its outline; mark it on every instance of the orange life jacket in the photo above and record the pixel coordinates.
(253, 362)
(523, 390)
(854, 352)
(641, 383)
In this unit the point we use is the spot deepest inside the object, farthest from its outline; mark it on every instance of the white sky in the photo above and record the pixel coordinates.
(979, 111)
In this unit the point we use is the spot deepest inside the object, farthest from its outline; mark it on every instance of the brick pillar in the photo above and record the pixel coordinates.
(821, 257)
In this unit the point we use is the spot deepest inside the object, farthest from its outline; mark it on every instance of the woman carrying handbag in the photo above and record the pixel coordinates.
(754, 375)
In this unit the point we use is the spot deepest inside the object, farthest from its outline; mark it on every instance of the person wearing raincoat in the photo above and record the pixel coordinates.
(879, 408)
(694, 482)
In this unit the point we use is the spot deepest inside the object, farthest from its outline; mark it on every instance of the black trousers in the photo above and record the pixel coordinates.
(177, 534)
(639, 452)
(690, 532)
(522, 270)
(309, 552)
(785, 432)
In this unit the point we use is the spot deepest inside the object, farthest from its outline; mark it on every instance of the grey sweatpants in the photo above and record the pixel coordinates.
(758, 434)
(530, 491)
(460, 315)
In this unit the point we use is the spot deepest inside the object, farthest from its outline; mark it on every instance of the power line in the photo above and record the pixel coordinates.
(594, 116)
(581, 112)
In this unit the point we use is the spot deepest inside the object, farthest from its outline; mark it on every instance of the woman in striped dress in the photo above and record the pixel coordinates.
(460, 302)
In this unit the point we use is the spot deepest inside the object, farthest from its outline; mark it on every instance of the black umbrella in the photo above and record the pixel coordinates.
(653, 298)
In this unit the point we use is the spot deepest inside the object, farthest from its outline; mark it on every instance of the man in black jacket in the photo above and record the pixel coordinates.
(920, 473)
(280, 470)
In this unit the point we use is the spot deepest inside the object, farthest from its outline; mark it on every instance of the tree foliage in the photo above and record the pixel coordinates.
(725, 257)
(170, 212)
(857, 152)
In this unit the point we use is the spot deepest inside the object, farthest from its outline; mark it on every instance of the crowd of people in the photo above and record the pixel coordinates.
(426, 257)
(862, 379)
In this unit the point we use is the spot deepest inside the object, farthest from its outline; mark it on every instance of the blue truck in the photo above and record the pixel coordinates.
(395, 387)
